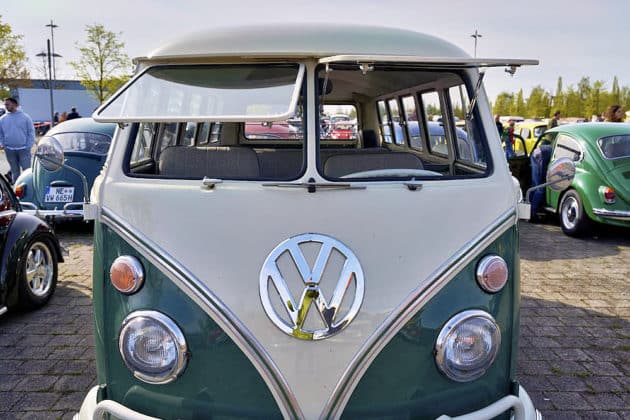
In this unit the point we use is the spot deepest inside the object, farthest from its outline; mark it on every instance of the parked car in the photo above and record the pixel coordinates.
(29, 258)
(529, 132)
(600, 191)
(59, 194)
(343, 130)
(376, 278)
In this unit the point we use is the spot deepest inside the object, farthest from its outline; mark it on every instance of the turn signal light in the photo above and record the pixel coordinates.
(20, 190)
(608, 194)
(492, 273)
(126, 274)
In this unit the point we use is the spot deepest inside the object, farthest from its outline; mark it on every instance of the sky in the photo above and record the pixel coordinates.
(570, 38)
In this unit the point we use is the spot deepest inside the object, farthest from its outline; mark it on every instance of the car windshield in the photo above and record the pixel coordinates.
(615, 147)
(84, 142)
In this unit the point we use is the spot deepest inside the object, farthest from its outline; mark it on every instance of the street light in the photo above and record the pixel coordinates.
(52, 36)
(476, 35)
(51, 81)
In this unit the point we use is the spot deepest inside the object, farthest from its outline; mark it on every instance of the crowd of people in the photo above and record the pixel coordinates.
(65, 116)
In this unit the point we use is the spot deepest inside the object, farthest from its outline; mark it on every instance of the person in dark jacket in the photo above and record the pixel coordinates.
(73, 114)
(539, 160)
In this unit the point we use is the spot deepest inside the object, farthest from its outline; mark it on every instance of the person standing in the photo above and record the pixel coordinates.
(509, 140)
(539, 159)
(554, 121)
(63, 117)
(497, 121)
(17, 137)
(56, 118)
(73, 114)
(614, 113)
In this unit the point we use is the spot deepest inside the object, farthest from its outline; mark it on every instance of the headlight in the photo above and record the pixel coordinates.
(51, 152)
(152, 347)
(467, 345)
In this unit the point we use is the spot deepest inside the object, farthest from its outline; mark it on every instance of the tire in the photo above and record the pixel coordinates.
(38, 278)
(573, 219)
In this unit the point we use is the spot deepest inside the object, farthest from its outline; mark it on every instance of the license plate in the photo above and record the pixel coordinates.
(59, 194)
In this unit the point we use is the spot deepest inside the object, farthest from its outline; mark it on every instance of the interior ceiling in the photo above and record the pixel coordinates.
(347, 83)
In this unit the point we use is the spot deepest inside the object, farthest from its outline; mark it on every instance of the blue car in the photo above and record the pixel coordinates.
(83, 145)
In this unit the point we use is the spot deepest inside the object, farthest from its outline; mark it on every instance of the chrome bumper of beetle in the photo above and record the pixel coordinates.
(70, 211)
(624, 216)
(522, 406)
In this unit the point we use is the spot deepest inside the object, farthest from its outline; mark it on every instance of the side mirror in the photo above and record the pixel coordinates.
(50, 154)
(560, 174)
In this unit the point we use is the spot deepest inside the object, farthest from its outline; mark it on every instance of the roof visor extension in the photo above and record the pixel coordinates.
(198, 93)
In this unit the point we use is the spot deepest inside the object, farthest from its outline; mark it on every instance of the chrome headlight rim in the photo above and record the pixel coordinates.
(445, 333)
(175, 333)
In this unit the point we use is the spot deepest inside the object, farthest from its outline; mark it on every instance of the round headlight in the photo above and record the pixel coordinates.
(50, 152)
(467, 345)
(152, 347)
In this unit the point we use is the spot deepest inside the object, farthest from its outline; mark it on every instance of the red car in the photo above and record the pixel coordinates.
(343, 130)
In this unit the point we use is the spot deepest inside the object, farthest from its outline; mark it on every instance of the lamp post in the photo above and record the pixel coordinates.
(49, 55)
(476, 35)
(52, 37)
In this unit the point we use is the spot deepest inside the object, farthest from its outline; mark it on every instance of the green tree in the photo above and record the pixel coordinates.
(574, 103)
(503, 104)
(103, 66)
(538, 103)
(596, 102)
(615, 92)
(518, 104)
(12, 58)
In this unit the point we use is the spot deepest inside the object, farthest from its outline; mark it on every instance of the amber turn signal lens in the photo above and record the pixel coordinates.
(126, 274)
(492, 273)
(19, 191)
(608, 194)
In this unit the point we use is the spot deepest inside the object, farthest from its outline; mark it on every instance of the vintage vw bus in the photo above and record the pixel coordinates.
(240, 276)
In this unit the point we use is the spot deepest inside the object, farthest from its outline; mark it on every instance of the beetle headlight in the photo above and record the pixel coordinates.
(467, 345)
(152, 346)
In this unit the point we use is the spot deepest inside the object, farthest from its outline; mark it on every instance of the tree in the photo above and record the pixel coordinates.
(103, 66)
(538, 103)
(518, 105)
(503, 103)
(615, 92)
(12, 58)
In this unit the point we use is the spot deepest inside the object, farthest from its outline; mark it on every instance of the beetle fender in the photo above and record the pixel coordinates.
(23, 229)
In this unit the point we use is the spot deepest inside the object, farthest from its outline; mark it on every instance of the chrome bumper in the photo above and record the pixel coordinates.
(522, 407)
(621, 215)
(69, 211)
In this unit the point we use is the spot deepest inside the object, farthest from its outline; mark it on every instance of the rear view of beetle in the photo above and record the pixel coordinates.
(248, 264)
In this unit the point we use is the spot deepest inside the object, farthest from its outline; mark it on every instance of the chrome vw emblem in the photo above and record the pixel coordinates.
(292, 320)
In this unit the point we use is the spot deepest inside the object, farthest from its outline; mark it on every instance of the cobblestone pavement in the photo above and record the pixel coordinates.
(574, 350)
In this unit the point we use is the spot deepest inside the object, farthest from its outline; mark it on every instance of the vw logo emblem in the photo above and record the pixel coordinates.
(293, 318)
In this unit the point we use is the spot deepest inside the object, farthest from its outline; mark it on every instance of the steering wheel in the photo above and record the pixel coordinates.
(398, 172)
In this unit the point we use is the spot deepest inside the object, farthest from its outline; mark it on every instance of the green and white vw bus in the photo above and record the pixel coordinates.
(247, 263)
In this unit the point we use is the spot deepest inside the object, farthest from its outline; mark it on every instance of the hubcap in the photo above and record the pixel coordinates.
(570, 212)
(39, 269)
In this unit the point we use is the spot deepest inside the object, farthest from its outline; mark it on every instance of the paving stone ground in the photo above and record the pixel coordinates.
(574, 356)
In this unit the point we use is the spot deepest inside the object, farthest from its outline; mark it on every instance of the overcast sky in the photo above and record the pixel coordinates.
(571, 39)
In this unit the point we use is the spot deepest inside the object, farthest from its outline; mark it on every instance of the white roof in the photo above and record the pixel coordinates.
(306, 40)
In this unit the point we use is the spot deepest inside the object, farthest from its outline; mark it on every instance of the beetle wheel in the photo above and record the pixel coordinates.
(573, 218)
(39, 274)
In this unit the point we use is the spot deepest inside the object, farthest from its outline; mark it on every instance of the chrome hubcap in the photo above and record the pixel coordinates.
(39, 269)
(570, 212)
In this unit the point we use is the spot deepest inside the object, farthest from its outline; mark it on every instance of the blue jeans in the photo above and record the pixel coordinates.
(18, 160)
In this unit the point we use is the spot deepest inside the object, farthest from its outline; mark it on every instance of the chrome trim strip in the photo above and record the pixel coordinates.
(3, 310)
(613, 214)
(409, 307)
(214, 307)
